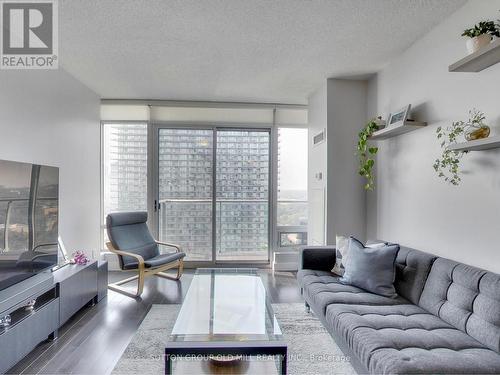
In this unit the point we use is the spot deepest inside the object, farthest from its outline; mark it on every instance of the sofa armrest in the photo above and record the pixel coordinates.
(321, 258)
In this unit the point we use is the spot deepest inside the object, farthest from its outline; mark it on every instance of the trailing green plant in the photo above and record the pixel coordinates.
(367, 154)
(448, 165)
(483, 27)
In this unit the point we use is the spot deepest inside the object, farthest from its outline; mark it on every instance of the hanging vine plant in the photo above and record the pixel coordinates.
(448, 165)
(367, 154)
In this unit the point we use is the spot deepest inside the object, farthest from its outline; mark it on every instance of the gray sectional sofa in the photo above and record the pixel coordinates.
(445, 320)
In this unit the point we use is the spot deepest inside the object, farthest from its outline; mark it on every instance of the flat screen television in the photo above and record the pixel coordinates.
(29, 217)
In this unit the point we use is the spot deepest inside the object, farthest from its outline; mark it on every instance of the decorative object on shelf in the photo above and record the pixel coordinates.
(380, 123)
(399, 117)
(30, 306)
(5, 321)
(448, 166)
(473, 134)
(80, 258)
(480, 35)
(366, 154)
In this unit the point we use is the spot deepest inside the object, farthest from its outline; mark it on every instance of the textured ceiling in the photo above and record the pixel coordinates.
(234, 50)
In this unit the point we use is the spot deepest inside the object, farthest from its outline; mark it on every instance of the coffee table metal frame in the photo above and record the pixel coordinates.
(208, 348)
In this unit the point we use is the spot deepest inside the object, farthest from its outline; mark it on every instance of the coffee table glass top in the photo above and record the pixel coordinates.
(228, 304)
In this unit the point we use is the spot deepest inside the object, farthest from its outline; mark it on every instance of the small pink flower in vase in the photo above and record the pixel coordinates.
(80, 258)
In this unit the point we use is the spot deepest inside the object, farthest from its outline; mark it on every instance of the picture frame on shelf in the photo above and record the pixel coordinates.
(398, 117)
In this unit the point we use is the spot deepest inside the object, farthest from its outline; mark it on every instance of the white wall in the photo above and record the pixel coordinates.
(317, 156)
(346, 199)
(50, 118)
(411, 205)
(339, 106)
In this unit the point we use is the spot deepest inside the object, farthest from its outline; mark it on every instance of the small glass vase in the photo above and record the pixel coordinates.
(474, 133)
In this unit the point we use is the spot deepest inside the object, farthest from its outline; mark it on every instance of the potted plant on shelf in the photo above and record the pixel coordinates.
(367, 154)
(480, 35)
(448, 165)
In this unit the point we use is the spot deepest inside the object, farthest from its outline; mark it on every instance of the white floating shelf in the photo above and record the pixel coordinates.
(477, 145)
(393, 131)
(477, 61)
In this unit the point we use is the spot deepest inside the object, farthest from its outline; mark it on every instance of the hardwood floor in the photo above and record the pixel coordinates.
(94, 339)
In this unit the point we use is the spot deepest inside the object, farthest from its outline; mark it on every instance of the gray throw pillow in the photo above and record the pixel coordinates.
(341, 253)
(371, 269)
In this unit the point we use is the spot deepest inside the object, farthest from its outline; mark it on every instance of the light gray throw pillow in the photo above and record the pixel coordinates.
(341, 254)
(371, 269)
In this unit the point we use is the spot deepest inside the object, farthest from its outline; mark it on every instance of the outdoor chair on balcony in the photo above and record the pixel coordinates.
(131, 240)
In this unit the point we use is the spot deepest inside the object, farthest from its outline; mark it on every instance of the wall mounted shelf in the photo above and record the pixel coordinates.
(477, 61)
(393, 131)
(477, 145)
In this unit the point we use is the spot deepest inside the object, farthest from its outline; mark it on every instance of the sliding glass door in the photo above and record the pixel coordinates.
(185, 190)
(213, 192)
(242, 199)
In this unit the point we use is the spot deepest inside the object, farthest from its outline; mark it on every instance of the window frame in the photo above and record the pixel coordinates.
(103, 123)
(152, 188)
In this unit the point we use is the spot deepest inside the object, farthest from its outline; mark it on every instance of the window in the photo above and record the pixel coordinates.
(185, 190)
(292, 187)
(210, 185)
(124, 167)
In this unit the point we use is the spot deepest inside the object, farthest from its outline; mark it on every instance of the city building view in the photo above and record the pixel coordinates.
(190, 163)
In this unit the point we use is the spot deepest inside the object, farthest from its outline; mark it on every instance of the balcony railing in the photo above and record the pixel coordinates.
(242, 224)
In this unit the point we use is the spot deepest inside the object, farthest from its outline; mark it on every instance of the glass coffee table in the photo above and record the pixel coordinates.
(226, 312)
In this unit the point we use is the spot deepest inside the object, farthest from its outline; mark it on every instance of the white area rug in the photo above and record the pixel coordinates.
(311, 350)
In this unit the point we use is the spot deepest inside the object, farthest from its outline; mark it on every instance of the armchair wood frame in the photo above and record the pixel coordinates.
(143, 272)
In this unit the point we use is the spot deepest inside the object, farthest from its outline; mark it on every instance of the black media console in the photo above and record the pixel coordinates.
(38, 306)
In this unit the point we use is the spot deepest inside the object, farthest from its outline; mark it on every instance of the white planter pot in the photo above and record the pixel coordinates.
(478, 42)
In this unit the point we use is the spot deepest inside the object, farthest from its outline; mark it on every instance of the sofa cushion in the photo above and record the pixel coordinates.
(412, 269)
(466, 297)
(408, 339)
(306, 277)
(484, 322)
(324, 288)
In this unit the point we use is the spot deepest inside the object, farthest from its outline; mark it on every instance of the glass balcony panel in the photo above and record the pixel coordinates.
(242, 180)
(185, 190)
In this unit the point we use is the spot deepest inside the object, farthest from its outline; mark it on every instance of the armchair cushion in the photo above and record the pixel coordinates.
(157, 261)
(129, 232)
(117, 219)
(162, 259)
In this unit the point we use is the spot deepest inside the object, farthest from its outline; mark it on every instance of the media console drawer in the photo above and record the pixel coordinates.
(20, 339)
(76, 289)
